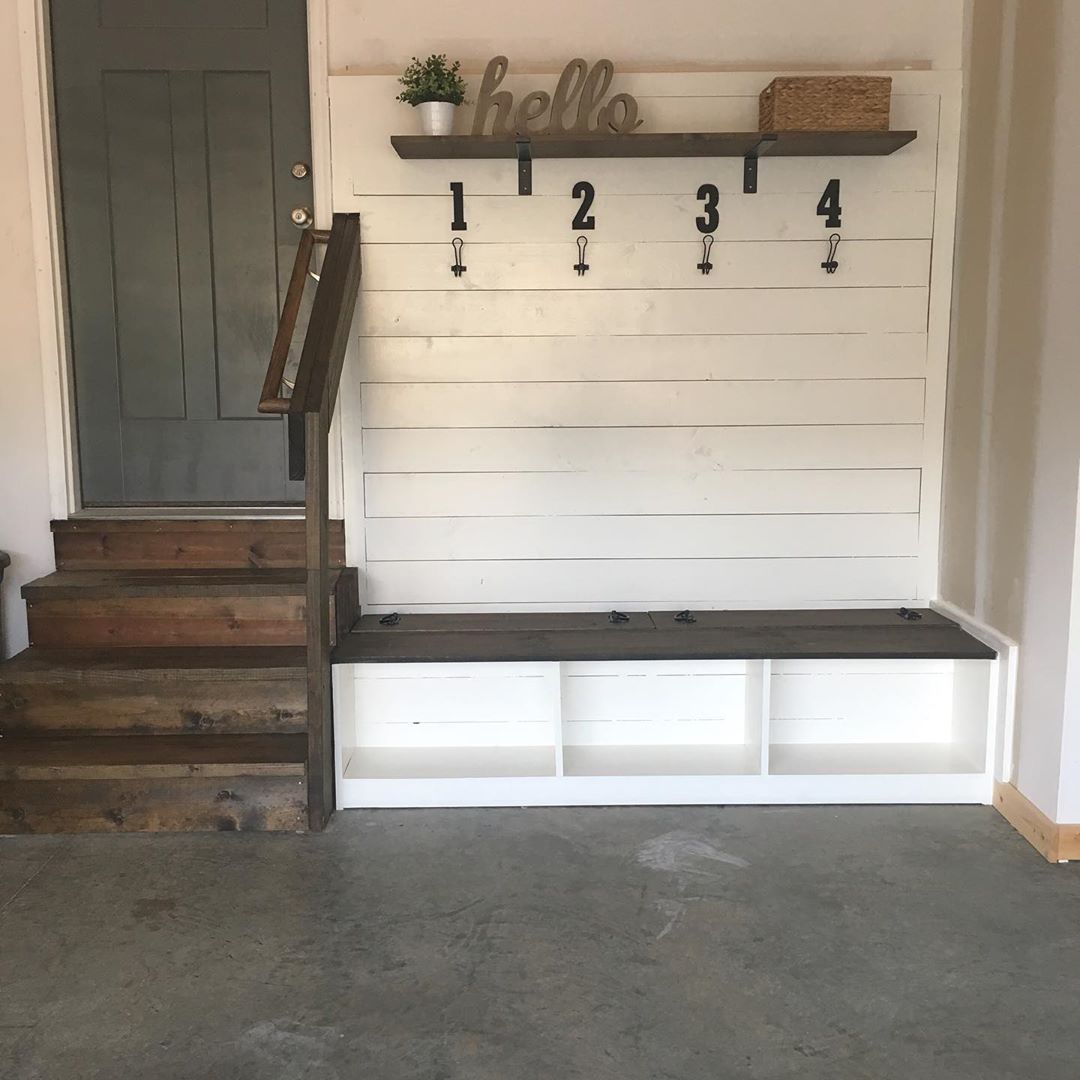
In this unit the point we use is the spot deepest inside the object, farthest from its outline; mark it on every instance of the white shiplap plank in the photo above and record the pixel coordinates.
(611, 404)
(538, 219)
(364, 114)
(588, 358)
(747, 536)
(769, 264)
(703, 582)
(851, 491)
(663, 312)
(882, 446)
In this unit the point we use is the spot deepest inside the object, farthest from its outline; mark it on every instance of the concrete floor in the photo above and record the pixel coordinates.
(612, 944)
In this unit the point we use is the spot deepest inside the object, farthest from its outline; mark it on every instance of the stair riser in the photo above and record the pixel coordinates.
(155, 804)
(144, 707)
(147, 621)
(141, 545)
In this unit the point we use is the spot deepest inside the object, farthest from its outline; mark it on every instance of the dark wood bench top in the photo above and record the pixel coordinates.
(866, 633)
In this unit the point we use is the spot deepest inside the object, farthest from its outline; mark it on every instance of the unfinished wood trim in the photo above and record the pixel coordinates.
(1056, 843)
(318, 27)
(35, 52)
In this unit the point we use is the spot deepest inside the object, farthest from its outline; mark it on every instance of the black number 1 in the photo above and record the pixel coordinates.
(828, 205)
(584, 191)
(709, 221)
(459, 223)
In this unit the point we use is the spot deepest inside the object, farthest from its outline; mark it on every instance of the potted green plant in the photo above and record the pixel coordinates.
(435, 88)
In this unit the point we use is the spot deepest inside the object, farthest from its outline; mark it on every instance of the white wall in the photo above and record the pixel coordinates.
(646, 436)
(24, 475)
(1010, 514)
(372, 36)
(1050, 727)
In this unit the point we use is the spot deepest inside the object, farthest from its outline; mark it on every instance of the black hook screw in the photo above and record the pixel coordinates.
(706, 247)
(457, 269)
(830, 265)
(581, 265)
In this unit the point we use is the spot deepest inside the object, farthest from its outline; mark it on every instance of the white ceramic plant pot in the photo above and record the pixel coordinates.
(436, 117)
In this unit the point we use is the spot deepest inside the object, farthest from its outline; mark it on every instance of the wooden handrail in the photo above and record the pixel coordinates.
(309, 411)
(321, 360)
(271, 399)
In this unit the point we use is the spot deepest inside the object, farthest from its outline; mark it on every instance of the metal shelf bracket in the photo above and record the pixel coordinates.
(750, 163)
(524, 159)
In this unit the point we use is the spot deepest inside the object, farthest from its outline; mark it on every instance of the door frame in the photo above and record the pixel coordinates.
(35, 61)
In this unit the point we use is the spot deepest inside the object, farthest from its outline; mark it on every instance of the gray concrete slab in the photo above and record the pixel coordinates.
(856, 943)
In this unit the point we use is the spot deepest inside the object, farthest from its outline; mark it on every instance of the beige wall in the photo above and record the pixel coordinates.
(24, 479)
(366, 35)
(1009, 526)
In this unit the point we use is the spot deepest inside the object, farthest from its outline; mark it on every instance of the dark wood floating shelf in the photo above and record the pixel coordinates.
(679, 144)
(749, 145)
(657, 635)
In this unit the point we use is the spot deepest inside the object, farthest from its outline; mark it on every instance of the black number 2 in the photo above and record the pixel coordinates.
(709, 221)
(828, 205)
(459, 224)
(584, 191)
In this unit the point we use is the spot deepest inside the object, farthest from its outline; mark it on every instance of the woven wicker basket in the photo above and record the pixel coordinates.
(825, 103)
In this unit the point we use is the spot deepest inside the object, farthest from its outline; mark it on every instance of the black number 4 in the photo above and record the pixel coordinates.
(828, 205)
(584, 191)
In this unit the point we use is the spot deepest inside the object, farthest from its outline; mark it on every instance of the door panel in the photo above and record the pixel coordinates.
(150, 346)
(240, 168)
(177, 125)
(184, 14)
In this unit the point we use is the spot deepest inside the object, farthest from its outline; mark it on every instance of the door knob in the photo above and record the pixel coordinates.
(301, 217)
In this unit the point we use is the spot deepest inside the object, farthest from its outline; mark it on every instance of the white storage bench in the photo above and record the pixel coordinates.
(713, 707)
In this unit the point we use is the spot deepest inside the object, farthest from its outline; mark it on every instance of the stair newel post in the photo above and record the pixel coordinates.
(320, 779)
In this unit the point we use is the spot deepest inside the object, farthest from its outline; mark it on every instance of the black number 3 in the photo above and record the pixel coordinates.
(709, 221)
(828, 205)
(584, 191)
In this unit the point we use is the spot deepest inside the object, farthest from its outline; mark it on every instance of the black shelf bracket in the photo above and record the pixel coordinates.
(524, 159)
(750, 163)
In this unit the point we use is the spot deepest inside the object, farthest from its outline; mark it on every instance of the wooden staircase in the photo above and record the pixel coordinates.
(166, 684)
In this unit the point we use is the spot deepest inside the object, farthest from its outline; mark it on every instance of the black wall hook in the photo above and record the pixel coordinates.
(581, 265)
(830, 265)
(457, 269)
(706, 248)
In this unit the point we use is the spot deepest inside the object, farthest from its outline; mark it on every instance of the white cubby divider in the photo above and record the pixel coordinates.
(666, 732)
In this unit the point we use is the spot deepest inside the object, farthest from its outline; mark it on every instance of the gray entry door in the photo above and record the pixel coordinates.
(178, 123)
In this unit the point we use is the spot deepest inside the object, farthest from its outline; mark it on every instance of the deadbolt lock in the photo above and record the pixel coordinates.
(301, 217)
(300, 169)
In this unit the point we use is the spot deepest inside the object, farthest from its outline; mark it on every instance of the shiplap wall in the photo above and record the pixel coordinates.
(644, 435)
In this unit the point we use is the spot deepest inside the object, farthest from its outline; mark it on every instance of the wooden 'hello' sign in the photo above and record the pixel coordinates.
(574, 108)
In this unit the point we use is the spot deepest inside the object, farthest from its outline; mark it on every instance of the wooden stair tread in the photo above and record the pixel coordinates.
(150, 544)
(117, 584)
(140, 755)
(165, 663)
